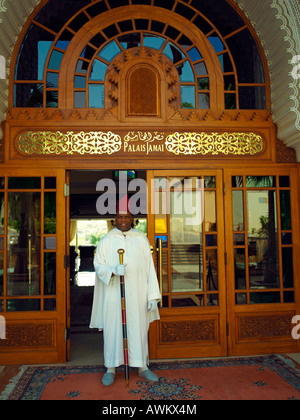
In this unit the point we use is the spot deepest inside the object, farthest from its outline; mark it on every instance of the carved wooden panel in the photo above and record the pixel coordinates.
(143, 91)
(28, 335)
(284, 154)
(256, 327)
(188, 331)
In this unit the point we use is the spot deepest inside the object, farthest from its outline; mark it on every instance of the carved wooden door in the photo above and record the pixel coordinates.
(263, 262)
(186, 221)
(32, 280)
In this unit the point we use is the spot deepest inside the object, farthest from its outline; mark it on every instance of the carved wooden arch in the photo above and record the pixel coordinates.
(118, 81)
(87, 32)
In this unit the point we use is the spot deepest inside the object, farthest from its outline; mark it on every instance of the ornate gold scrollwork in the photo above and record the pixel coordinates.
(70, 143)
(214, 143)
(107, 143)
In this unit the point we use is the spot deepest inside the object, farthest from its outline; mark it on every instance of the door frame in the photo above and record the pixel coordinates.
(23, 327)
(217, 315)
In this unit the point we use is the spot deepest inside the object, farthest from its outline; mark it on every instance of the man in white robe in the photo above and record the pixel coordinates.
(141, 291)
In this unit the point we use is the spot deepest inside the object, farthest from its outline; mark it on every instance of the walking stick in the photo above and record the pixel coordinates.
(124, 323)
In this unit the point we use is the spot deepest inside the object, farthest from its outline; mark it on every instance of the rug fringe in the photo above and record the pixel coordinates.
(12, 384)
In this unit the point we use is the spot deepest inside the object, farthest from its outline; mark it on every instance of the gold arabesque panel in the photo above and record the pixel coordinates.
(214, 143)
(70, 143)
(108, 143)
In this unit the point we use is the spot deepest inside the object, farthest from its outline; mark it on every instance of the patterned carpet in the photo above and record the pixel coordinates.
(246, 378)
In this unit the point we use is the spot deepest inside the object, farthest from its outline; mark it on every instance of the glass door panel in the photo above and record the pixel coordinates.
(186, 215)
(186, 219)
(31, 262)
(262, 238)
(23, 244)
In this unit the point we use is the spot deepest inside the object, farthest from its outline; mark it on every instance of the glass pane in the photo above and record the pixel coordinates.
(79, 82)
(161, 212)
(186, 247)
(203, 101)
(79, 100)
(1, 273)
(287, 268)
(194, 54)
(229, 82)
(24, 183)
(50, 213)
(50, 304)
(211, 240)
(285, 210)
(98, 71)
(264, 297)
(50, 243)
(33, 54)
(55, 60)
(252, 97)
(238, 210)
(187, 300)
(130, 40)
(23, 253)
(262, 239)
(210, 211)
(237, 182)
(209, 182)
(52, 99)
(153, 41)
(52, 80)
(212, 299)
(29, 95)
(81, 67)
(1, 306)
(226, 63)
(96, 96)
(110, 51)
(188, 99)
(249, 65)
(50, 273)
(286, 238)
(50, 183)
(212, 270)
(288, 297)
(238, 239)
(174, 53)
(203, 83)
(2, 213)
(239, 269)
(216, 43)
(260, 181)
(2, 183)
(1, 243)
(20, 305)
(185, 71)
(200, 69)
(240, 299)
(230, 101)
(284, 181)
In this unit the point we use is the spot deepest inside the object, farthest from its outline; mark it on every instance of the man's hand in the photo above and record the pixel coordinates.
(119, 270)
(152, 305)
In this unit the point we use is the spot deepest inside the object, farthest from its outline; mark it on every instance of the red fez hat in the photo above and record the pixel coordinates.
(123, 205)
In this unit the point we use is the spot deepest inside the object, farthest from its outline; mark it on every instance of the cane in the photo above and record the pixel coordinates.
(124, 323)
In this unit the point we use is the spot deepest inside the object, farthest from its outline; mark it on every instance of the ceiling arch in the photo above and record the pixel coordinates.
(276, 22)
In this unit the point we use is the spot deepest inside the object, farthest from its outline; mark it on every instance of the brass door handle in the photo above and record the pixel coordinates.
(160, 274)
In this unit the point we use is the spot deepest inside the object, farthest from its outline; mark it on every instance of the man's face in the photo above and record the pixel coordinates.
(124, 221)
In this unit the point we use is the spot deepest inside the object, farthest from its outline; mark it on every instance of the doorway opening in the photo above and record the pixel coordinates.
(87, 227)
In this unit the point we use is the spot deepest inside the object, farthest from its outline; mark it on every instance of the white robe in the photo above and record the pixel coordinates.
(141, 286)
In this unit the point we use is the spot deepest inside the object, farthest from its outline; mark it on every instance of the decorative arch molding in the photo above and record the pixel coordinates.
(276, 22)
